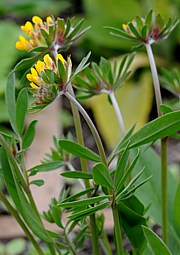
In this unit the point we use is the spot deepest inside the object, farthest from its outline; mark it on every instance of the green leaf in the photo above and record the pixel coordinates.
(77, 175)
(38, 183)
(45, 167)
(149, 18)
(121, 167)
(120, 33)
(82, 65)
(29, 135)
(177, 208)
(83, 202)
(157, 245)
(127, 174)
(21, 202)
(79, 194)
(102, 176)
(134, 30)
(144, 31)
(21, 109)
(87, 212)
(131, 213)
(165, 109)
(150, 193)
(75, 29)
(78, 150)
(28, 62)
(163, 126)
(10, 100)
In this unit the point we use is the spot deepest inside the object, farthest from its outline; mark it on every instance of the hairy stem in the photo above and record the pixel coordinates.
(155, 78)
(118, 113)
(163, 143)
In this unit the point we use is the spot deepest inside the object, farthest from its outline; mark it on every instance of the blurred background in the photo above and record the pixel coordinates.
(136, 98)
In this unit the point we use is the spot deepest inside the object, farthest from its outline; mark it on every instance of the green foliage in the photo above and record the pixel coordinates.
(127, 186)
(157, 246)
(78, 150)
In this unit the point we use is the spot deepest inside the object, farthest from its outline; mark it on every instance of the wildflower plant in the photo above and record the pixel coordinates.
(103, 184)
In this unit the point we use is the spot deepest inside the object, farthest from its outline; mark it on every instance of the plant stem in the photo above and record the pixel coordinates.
(163, 143)
(118, 113)
(164, 188)
(94, 235)
(106, 242)
(118, 234)
(21, 223)
(84, 166)
(79, 133)
(155, 78)
(91, 126)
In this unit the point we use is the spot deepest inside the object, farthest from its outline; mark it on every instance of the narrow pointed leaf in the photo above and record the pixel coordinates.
(21, 110)
(156, 244)
(10, 100)
(38, 183)
(163, 126)
(46, 167)
(78, 150)
(77, 175)
(102, 176)
(90, 211)
(29, 135)
(83, 202)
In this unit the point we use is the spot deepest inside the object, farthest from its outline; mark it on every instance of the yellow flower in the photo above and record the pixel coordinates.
(49, 21)
(37, 21)
(48, 61)
(34, 86)
(124, 26)
(60, 57)
(33, 77)
(27, 28)
(40, 66)
(23, 44)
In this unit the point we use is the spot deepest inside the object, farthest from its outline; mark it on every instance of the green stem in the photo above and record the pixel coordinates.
(79, 133)
(163, 143)
(21, 223)
(164, 188)
(118, 113)
(106, 242)
(91, 126)
(155, 78)
(94, 235)
(117, 230)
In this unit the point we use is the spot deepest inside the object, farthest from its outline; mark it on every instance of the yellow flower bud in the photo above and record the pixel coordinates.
(34, 72)
(40, 66)
(37, 21)
(27, 28)
(60, 57)
(34, 86)
(49, 21)
(124, 26)
(23, 44)
(48, 61)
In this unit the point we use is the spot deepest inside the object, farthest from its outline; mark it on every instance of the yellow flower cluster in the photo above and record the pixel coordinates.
(33, 31)
(35, 76)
